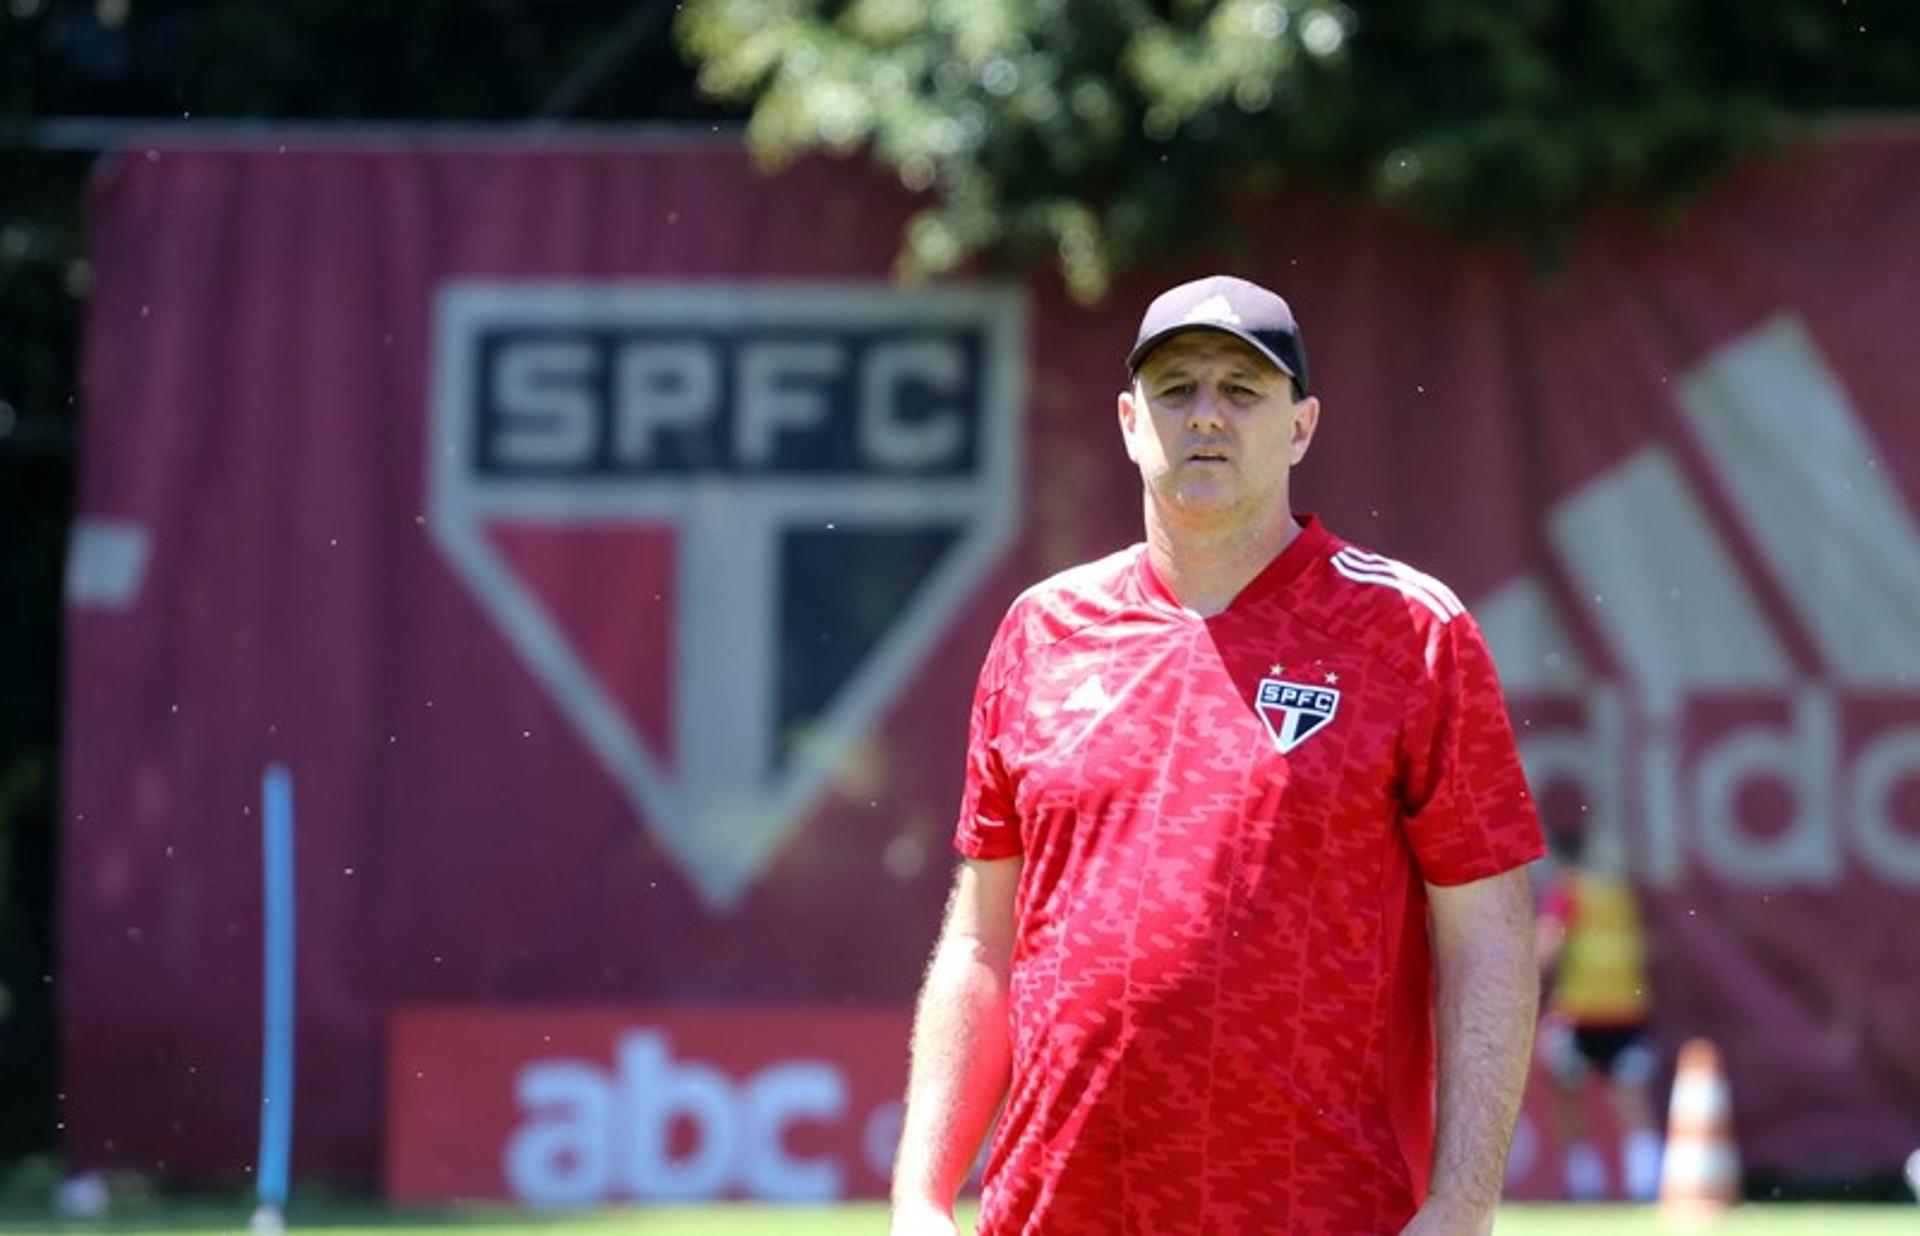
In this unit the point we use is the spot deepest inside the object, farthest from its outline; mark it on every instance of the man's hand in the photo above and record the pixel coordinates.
(927, 1220)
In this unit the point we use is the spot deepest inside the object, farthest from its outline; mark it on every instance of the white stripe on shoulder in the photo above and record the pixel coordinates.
(1440, 590)
(1406, 587)
(1365, 568)
(1380, 567)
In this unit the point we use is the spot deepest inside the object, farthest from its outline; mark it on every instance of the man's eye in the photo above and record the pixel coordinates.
(1178, 388)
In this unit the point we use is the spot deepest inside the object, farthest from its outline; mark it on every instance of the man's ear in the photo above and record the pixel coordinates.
(1306, 419)
(1130, 413)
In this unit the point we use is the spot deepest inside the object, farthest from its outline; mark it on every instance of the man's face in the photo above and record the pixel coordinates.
(1214, 428)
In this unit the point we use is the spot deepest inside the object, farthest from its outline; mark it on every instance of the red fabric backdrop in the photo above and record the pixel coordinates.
(1676, 476)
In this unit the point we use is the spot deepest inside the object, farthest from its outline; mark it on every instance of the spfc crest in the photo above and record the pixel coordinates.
(1293, 711)
(723, 525)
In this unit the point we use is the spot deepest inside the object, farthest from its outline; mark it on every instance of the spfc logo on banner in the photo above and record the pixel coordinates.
(1294, 712)
(724, 524)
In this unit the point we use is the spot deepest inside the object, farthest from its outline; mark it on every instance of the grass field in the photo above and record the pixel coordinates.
(856, 1220)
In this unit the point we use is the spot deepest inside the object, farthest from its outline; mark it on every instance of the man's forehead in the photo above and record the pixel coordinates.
(1201, 346)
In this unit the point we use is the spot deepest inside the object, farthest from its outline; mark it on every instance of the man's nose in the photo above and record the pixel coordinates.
(1204, 411)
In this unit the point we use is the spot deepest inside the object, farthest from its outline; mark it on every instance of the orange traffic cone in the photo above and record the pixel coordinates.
(1700, 1171)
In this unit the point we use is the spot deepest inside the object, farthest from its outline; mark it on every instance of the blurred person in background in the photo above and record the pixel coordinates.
(1593, 954)
(1243, 825)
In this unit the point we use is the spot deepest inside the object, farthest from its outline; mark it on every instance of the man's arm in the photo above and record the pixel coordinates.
(1486, 998)
(962, 1049)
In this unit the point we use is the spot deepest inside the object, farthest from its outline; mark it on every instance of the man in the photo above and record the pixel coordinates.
(1219, 788)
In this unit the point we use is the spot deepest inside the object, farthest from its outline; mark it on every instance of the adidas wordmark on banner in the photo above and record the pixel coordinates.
(1680, 622)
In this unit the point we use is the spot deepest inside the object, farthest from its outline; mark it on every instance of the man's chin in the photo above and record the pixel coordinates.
(1202, 501)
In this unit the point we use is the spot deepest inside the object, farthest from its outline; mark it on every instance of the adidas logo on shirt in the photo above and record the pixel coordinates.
(1089, 696)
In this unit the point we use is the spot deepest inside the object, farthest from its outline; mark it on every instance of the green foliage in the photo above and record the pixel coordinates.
(1094, 133)
(338, 59)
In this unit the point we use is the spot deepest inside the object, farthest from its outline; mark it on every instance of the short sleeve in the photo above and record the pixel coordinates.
(1466, 808)
(989, 826)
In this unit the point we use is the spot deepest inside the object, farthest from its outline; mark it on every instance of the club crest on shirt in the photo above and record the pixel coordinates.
(1294, 711)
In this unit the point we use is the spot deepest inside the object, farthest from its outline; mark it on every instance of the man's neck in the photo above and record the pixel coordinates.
(1206, 567)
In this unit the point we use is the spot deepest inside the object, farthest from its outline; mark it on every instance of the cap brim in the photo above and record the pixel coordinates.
(1138, 356)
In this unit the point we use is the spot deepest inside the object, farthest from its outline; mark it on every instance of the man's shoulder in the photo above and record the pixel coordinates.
(1080, 596)
(1385, 592)
(1101, 581)
(1381, 603)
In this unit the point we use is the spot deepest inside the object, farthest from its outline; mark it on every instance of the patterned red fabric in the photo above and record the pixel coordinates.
(1221, 990)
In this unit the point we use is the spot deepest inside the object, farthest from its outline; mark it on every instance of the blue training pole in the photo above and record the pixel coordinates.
(276, 1073)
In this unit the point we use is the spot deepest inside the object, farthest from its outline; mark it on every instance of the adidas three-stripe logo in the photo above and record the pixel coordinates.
(1657, 576)
(1801, 587)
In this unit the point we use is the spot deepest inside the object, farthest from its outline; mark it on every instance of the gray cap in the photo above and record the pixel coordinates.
(1244, 310)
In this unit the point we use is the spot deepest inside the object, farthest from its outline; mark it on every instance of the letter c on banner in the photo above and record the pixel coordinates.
(774, 1101)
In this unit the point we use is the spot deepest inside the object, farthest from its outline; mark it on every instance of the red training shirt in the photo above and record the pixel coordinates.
(1221, 985)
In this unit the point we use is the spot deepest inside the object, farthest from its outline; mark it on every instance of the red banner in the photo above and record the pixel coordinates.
(607, 548)
(561, 1106)
(565, 1106)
